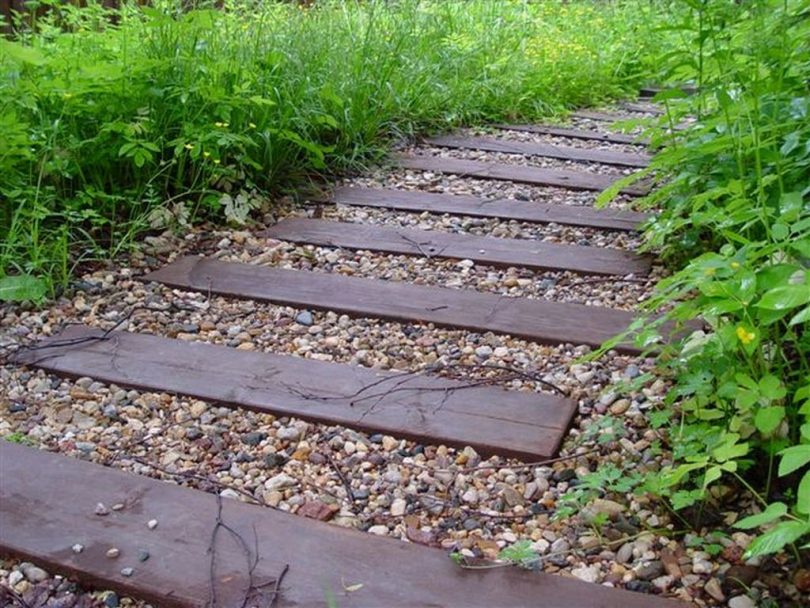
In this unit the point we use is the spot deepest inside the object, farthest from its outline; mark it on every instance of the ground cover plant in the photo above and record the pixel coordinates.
(735, 224)
(116, 122)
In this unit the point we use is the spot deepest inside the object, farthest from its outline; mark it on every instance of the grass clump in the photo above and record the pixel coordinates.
(116, 122)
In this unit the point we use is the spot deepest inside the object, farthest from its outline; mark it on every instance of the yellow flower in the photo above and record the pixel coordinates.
(206, 154)
(735, 265)
(252, 125)
(745, 336)
(216, 161)
(221, 125)
(189, 146)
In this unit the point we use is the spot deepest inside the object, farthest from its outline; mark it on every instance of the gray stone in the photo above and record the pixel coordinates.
(127, 572)
(288, 433)
(741, 601)
(34, 574)
(647, 571)
(279, 481)
(398, 507)
(304, 318)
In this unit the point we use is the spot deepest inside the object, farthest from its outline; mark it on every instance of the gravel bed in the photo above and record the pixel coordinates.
(39, 589)
(556, 140)
(448, 183)
(521, 160)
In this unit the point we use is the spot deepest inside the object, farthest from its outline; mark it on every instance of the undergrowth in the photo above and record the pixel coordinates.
(118, 122)
(735, 226)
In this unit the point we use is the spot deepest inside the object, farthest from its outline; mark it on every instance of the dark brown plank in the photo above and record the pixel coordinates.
(604, 116)
(539, 320)
(481, 249)
(427, 409)
(527, 148)
(575, 180)
(616, 138)
(47, 504)
(642, 108)
(502, 208)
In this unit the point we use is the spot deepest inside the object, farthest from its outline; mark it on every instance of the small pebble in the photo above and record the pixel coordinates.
(101, 509)
(127, 571)
(152, 524)
(77, 548)
(113, 552)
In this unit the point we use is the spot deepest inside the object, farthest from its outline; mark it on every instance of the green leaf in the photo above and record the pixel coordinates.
(772, 512)
(22, 54)
(793, 458)
(768, 419)
(801, 317)
(785, 297)
(777, 538)
(803, 495)
(19, 288)
(771, 387)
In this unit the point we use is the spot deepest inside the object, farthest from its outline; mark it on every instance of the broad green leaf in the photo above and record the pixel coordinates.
(19, 288)
(785, 297)
(793, 458)
(771, 513)
(777, 538)
(712, 475)
(771, 387)
(768, 419)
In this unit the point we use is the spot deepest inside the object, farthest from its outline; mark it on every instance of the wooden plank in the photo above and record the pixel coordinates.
(604, 116)
(527, 148)
(616, 138)
(481, 249)
(539, 320)
(47, 504)
(502, 208)
(427, 409)
(642, 108)
(575, 180)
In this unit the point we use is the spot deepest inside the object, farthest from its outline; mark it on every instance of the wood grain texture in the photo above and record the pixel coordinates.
(528, 148)
(502, 208)
(573, 133)
(47, 504)
(574, 180)
(539, 320)
(427, 409)
(481, 249)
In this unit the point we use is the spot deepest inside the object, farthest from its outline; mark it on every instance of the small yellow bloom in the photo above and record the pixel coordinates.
(735, 265)
(222, 125)
(216, 161)
(189, 146)
(252, 125)
(206, 154)
(745, 336)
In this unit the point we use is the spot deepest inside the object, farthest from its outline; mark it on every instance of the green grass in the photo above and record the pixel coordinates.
(112, 130)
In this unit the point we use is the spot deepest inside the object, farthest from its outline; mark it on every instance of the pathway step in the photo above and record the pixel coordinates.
(575, 180)
(482, 249)
(424, 408)
(616, 138)
(539, 320)
(606, 116)
(47, 505)
(608, 157)
(501, 208)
